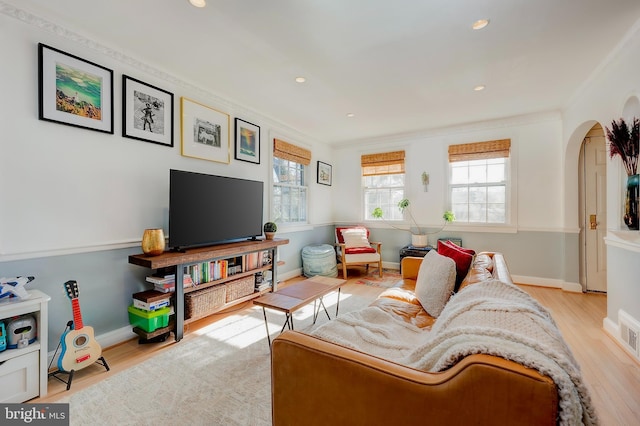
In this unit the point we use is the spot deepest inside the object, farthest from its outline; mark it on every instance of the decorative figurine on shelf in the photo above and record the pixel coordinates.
(14, 287)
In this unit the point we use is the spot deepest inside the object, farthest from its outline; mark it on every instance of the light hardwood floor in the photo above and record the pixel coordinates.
(612, 375)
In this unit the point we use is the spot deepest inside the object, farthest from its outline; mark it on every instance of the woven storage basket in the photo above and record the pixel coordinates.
(201, 303)
(240, 287)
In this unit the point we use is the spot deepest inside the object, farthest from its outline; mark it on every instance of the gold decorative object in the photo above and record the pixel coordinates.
(153, 242)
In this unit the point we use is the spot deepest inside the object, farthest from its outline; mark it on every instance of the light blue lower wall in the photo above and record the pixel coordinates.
(106, 280)
(623, 282)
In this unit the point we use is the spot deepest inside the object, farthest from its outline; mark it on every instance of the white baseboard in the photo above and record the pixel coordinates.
(547, 282)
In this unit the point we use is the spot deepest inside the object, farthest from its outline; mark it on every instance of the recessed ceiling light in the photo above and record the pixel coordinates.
(480, 24)
(198, 3)
(300, 79)
(350, 115)
(479, 88)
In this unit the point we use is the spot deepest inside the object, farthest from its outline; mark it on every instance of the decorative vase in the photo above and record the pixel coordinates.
(631, 202)
(419, 240)
(269, 235)
(153, 242)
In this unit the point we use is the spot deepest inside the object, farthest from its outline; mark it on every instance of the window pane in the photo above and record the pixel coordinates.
(289, 192)
(478, 174)
(477, 213)
(496, 194)
(478, 190)
(459, 174)
(385, 192)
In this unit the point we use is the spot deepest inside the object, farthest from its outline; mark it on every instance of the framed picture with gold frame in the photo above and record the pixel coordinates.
(204, 132)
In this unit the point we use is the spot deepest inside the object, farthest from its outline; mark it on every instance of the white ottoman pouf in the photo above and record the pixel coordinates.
(319, 259)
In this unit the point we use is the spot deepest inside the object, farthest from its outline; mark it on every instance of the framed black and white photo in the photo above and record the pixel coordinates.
(247, 142)
(204, 131)
(74, 91)
(324, 173)
(147, 112)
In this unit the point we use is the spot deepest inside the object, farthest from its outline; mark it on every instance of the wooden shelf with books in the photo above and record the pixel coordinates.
(206, 273)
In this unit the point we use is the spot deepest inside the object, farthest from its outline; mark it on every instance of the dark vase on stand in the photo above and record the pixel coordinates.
(631, 202)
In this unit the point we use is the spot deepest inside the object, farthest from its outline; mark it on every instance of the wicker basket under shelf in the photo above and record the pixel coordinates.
(240, 288)
(201, 303)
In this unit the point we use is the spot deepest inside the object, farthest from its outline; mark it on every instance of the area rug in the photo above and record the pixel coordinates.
(221, 377)
(389, 278)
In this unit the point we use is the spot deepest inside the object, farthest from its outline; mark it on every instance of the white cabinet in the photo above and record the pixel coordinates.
(23, 372)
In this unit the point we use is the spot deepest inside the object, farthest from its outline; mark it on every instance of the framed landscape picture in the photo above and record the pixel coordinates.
(204, 131)
(247, 142)
(74, 91)
(324, 173)
(147, 112)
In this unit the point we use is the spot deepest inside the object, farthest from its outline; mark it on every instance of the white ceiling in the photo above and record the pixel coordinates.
(400, 66)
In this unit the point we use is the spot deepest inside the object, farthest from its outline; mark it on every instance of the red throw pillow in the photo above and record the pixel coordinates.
(454, 245)
(463, 260)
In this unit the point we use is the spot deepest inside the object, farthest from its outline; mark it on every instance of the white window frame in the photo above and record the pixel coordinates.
(304, 186)
(391, 212)
(511, 214)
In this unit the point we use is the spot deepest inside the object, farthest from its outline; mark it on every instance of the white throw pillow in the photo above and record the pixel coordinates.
(355, 237)
(435, 282)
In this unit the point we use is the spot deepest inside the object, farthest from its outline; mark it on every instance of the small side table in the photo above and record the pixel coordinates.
(411, 250)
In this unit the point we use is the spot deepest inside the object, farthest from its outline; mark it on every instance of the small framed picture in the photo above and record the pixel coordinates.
(205, 132)
(324, 173)
(147, 112)
(74, 91)
(247, 142)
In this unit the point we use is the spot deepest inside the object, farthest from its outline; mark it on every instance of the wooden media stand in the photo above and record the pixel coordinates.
(194, 256)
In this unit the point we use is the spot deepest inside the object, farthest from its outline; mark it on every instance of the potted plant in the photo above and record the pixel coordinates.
(624, 141)
(270, 229)
(419, 237)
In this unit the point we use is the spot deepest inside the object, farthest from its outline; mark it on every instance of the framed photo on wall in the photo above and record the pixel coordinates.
(147, 112)
(204, 132)
(74, 91)
(324, 173)
(247, 142)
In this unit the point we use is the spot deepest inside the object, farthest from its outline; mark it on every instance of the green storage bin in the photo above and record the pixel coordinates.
(149, 320)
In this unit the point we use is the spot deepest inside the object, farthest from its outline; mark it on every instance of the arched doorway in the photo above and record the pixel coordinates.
(592, 184)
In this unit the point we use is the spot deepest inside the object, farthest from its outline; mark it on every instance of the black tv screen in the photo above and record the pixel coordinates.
(207, 209)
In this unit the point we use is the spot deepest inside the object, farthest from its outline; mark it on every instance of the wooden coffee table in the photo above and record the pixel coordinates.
(295, 296)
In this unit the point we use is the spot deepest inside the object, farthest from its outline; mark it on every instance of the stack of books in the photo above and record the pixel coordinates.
(167, 283)
(151, 300)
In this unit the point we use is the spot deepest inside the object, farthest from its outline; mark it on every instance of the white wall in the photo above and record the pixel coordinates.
(66, 189)
(603, 99)
(536, 160)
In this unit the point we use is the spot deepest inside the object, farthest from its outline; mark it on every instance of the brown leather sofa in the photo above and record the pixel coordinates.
(316, 382)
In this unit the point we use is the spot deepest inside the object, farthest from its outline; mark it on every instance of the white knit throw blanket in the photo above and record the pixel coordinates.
(492, 318)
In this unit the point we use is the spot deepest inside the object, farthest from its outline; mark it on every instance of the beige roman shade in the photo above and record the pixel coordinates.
(385, 163)
(480, 150)
(291, 152)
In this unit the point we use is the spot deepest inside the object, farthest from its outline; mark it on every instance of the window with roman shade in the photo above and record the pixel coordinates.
(383, 177)
(479, 181)
(289, 202)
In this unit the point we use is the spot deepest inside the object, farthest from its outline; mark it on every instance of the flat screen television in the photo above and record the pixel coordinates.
(207, 209)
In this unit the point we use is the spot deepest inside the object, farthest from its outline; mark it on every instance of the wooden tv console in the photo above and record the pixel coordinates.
(193, 256)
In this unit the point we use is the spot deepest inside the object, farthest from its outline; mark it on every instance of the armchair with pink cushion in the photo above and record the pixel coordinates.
(353, 248)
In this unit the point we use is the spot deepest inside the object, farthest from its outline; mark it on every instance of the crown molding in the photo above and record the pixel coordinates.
(500, 123)
(233, 108)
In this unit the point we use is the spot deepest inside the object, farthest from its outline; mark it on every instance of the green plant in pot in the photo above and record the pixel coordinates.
(419, 236)
(270, 229)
